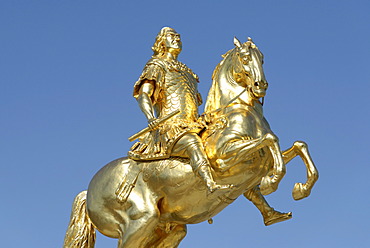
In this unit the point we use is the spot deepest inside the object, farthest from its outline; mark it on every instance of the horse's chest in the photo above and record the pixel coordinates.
(257, 127)
(247, 124)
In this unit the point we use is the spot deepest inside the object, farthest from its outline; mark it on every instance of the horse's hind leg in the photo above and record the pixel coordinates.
(138, 232)
(168, 238)
(143, 218)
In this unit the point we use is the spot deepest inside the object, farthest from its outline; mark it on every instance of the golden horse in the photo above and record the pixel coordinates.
(162, 196)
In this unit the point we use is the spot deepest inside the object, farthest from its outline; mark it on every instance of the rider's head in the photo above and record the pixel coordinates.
(167, 40)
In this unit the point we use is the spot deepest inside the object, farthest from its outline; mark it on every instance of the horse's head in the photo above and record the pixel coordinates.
(238, 78)
(248, 71)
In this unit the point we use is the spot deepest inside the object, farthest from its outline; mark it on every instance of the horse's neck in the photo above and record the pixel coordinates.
(226, 91)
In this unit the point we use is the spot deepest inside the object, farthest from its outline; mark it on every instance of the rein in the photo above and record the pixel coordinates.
(231, 101)
(227, 105)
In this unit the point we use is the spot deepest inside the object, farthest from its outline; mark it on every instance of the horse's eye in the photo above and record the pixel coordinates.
(246, 58)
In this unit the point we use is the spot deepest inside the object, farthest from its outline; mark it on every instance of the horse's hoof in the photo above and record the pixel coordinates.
(300, 191)
(267, 186)
(276, 217)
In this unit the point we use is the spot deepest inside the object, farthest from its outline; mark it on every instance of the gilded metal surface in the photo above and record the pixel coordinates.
(147, 203)
(165, 86)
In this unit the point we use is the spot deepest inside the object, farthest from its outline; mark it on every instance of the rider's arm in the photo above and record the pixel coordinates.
(144, 99)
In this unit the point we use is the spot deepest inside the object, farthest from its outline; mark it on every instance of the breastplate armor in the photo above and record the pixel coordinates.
(179, 92)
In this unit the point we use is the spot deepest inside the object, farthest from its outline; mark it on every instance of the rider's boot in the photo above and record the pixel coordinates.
(205, 173)
(270, 215)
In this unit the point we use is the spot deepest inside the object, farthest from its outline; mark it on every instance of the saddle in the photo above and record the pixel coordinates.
(146, 169)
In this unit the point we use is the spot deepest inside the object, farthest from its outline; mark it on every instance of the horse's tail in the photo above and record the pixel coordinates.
(80, 232)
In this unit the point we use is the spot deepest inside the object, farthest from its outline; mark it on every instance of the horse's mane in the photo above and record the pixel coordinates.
(216, 70)
(213, 99)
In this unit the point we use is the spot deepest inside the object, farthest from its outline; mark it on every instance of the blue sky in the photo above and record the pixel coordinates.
(66, 74)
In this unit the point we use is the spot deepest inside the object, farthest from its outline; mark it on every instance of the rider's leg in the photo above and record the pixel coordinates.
(190, 146)
(270, 216)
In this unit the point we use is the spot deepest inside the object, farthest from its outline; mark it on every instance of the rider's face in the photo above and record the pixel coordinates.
(172, 41)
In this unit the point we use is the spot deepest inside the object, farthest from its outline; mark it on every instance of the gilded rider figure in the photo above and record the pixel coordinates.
(167, 85)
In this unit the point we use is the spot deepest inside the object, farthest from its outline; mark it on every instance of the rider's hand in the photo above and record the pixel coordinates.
(153, 123)
(205, 118)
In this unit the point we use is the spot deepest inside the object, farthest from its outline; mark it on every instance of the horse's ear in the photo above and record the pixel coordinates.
(237, 42)
(251, 43)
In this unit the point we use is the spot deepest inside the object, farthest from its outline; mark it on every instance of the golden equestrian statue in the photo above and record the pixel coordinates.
(186, 168)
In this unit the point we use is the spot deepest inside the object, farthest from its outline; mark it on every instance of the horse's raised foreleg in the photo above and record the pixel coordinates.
(300, 148)
(236, 152)
(270, 215)
(270, 184)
